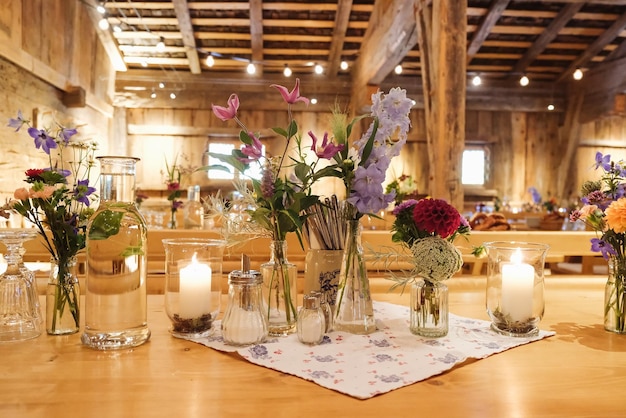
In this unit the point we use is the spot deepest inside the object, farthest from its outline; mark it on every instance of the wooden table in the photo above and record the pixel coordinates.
(579, 372)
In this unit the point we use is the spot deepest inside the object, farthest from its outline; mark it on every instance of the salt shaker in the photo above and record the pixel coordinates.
(244, 322)
(311, 322)
(325, 307)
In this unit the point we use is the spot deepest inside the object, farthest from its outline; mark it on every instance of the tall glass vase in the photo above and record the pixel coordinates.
(63, 298)
(279, 291)
(115, 294)
(429, 308)
(354, 312)
(615, 297)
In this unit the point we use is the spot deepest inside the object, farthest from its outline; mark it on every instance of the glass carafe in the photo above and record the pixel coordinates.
(115, 293)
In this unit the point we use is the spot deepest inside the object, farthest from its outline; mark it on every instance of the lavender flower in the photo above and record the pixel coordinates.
(18, 122)
(42, 139)
(603, 247)
(82, 191)
(603, 161)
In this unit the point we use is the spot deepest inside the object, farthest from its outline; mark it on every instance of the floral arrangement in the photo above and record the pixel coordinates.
(174, 173)
(58, 200)
(604, 211)
(404, 187)
(427, 228)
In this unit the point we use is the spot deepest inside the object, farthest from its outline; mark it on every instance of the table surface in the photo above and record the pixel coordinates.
(580, 372)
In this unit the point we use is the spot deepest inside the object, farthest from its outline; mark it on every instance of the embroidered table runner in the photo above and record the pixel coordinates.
(364, 366)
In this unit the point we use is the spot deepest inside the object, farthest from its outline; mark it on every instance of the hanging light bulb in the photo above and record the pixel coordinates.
(103, 23)
(172, 95)
(524, 81)
(153, 95)
(313, 100)
(318, 69)
(477, 81)
(578, 74)
(210, 62)
(398, 69)
(117, 29)
(160, 46)
(550, 107)
(251, 69)
(144, 63)
(343, 65)
(161, 85)
(287, 71)
(100, 8)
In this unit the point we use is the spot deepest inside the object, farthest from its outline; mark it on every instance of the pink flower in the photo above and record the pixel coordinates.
(254, 151)
(292, 96)
(327, 150)
(45, 193)
(21, 194)
(227, 113)
(173, 185)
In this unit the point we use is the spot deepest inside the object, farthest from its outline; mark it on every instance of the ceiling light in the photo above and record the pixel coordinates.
(144, 63)
(172, 95)
(210, 61)
(550, 107)
(413, 102)
(103, 23)
(161, 85)
(319, 69)
(578, 74)
(287, 71)
(314, 101)
(343, 65)
(476, 81)
(153, 95)
(523, 81)
(117, 29)
(100, 8)
(398, 69)
(251, 69)
(160, 46)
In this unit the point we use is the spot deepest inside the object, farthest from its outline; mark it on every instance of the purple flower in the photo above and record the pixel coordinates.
(535, 195)
(326, 150)
(18, 122)
(66, 134)
(368, 181)
(176, 204)
(603, 161)
(407, 204)
(82, 191)
(42, 139)
(603, 247)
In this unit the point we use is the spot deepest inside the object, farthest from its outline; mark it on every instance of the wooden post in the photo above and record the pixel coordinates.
(442, 41)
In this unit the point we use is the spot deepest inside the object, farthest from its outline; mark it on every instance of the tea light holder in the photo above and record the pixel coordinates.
(193, 284)
(515, 286)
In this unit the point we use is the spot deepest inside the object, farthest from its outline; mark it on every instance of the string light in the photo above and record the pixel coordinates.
(172, 95)
(578, 74)
(161, 85)
(524, 81)
(103, 23)
(100, 8)
(251, 69)
(210, 62)
(318, 69)
(153, 95)
(550, 107)
(313, 100)
(144, 63)
(343, 65)
(117, 29)
(476, 81)
(160, 46)
(398, 69)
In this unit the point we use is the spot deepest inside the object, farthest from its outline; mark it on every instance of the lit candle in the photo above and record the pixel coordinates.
(518, 280)
(195, 290)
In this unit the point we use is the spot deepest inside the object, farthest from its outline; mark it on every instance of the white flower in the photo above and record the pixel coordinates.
(436, 258)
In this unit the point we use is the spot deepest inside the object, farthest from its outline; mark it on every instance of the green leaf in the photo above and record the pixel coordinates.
(369, 145)
(106, 224)
(293, 128)
(132, 250)
(280, 131)
(245, 138)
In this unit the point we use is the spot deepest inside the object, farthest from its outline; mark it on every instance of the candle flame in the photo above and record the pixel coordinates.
(517, 257)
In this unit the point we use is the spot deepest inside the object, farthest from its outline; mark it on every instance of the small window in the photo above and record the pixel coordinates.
(473, 168)
(220, 174)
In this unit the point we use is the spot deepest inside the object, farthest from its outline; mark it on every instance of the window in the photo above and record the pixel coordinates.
(473, 168)
(253, 171)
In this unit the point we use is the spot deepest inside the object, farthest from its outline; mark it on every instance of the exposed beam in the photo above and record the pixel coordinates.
(106, 39)
(186, 30)
(489, 21)
(256, 32)
(601, 85)
(551, 32)
(342, 17)
(617, 53)
(604, 39)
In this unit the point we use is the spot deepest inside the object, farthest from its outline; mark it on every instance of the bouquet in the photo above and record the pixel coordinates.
(58, 199)
(172, 182)
(404, 187)
(604, 211)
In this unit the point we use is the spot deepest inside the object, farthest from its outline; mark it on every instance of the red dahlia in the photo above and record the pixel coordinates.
(34, 173)
(436, 216)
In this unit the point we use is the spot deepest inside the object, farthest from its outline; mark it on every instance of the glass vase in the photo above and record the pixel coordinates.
(63, 298)
(354, 312)
(321, 273)
(115, 293)
(615, 297)
(429, 308)
(279, 291)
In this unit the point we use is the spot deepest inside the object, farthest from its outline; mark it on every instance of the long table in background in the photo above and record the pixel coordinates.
(579, 372)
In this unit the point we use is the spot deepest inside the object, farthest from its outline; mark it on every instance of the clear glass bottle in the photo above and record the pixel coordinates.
(279, 291)
(193, 212)
(326, 310)
(115, 293)
(311, 323)
(244, 321)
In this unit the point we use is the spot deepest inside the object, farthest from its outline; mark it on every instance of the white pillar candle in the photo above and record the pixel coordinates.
(518, 280)
(195, 290)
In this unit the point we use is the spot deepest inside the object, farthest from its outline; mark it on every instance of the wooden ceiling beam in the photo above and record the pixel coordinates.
(601, 85)
(186, 30)
(601, 41)
(256, 32)
(548, 35)
(106, 39)
(489, 21)
(342, 18)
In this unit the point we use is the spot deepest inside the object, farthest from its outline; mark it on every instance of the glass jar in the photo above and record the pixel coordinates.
(429, 308)
(193, 211)
(63, 298)
(311, 323)
(279, 291)
(115, 293)
(244, 321)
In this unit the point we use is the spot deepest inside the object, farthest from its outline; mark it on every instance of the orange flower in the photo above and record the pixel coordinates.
(43, 194)
(21, 194)
(616, 215)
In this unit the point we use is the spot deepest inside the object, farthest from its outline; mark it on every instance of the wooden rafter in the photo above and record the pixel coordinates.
(256, 32)
(491, 18)
(342, 17)
(186, 31)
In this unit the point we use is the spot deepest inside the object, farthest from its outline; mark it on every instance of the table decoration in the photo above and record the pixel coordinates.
(193, 277)
(363, 366)
(172, 182)
(604, 211)
(57, 204)
(515, 286)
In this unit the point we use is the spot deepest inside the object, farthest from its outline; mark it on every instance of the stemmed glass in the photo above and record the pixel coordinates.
(20, 316)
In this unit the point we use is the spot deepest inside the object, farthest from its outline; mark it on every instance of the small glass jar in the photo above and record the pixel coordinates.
(326, 309)
(244, 321)
(311, 324)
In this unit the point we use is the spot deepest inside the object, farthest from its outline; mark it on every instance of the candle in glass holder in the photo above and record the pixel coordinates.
(195, 290)
(518, 280)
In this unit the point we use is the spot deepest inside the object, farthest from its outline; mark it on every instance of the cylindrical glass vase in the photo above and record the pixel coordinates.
(429, 308)
(515, 286)
(321, 273)
(615, 296)
(115, 293)
(193, 284)
(279, 291)
(63, 298)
